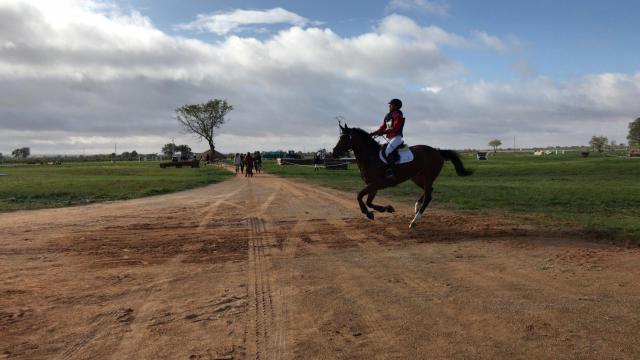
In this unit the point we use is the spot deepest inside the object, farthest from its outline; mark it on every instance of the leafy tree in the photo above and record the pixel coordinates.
(23, 152)
(185, 151)
(203, 119)
(168, 150)
(1, 156)
(495, 143)
(125, 155)
(598, 142)
(634, 133)
(134, 155)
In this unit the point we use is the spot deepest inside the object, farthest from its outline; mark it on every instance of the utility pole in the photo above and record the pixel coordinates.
(514, 143)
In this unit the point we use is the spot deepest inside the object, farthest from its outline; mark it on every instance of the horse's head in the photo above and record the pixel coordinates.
(355, 139)
(345, 143)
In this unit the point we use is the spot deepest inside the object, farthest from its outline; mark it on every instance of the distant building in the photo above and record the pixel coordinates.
(208, 157)
(150, 157)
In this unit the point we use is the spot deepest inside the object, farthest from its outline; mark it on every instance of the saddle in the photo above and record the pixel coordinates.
(400, 155)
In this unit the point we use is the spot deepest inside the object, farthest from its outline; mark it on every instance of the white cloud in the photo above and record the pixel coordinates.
(242, 20)
(432, 89)
(426, 6)
(105, 75)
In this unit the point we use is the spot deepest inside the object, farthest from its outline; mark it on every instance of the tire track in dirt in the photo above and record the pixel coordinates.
(260, 339)
(210, 210)
(275, 246)
(109, 326)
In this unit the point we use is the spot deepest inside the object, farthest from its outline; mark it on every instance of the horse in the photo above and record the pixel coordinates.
(423, 170)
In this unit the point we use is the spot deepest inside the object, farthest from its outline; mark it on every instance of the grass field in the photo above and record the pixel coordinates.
(601, 194)
(44, 186)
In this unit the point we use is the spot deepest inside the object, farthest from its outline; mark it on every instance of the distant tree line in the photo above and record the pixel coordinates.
(21, 153)
(169, 149)
(634, 133)
(125, 156)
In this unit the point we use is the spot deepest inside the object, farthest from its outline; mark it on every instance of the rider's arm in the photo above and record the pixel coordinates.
(381, 130)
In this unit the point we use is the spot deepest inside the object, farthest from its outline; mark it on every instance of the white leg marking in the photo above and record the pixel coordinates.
(415, 220)
(418, 206)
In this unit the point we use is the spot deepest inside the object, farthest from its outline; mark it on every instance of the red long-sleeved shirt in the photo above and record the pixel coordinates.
(392, 125)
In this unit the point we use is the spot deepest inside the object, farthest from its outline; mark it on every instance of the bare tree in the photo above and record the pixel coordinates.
(203, 119)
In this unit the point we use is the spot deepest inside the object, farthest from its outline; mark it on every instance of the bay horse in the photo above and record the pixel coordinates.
(423, 170)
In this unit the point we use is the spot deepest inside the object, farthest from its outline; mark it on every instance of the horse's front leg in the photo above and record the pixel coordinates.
(375, 207)
(367, 190)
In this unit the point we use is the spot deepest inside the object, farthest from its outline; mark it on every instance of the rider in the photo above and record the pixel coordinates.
(392, 126)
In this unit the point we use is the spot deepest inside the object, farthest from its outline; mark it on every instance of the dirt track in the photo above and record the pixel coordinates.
(267, 268)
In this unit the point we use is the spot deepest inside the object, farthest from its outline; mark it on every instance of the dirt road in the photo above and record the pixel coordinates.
(267, 268)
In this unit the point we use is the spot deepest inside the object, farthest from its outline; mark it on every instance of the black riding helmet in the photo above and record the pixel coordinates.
(396, 102)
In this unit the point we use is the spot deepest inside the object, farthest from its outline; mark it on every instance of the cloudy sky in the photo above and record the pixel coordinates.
(80, 75)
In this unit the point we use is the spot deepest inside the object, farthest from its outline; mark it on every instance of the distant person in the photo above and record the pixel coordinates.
(242, 163)
(257, 162)
(392, 126)
(248, 161)
(316, 162)
(237, 161)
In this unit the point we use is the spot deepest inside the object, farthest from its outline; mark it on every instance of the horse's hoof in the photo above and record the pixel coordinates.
(413, 225)
(370, 215)
(390, 209)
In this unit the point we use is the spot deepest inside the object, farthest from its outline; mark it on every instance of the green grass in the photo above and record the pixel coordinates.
(46, 186)
(601, 194)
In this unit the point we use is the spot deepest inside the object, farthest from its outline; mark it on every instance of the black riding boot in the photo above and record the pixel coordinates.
(391, 169)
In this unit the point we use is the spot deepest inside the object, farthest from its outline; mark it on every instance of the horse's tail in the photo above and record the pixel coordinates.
(457, 163)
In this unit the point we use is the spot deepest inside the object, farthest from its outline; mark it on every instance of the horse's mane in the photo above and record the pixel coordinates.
(368, 140)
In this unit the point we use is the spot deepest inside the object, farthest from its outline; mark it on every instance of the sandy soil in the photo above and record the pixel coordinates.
(267, 268)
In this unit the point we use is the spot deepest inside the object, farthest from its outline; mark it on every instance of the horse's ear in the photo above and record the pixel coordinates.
(346, 127)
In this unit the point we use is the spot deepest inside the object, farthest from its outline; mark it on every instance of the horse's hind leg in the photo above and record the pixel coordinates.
(375, 207)
(419, 180)
(426, 199)
(418, 204)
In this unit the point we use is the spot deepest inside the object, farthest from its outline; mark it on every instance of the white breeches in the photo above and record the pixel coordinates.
(393, 144)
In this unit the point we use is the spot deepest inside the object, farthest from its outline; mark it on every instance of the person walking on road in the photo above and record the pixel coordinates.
(237, 161)
(248, 161)
(257, 162)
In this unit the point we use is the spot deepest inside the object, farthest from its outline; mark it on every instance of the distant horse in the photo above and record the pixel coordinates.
(422, 170)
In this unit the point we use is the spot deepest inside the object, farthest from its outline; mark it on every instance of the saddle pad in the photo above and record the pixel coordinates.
(406, 155)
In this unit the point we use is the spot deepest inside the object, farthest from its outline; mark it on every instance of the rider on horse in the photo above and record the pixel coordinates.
(392, 126)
